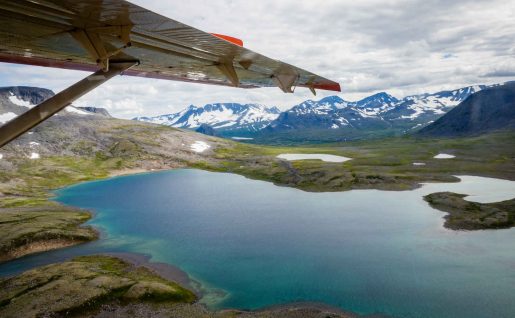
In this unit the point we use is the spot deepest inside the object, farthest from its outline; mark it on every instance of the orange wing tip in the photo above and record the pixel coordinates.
(231, 39)
(328, 87)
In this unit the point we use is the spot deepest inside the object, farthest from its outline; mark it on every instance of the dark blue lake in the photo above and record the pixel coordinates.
(253, 244)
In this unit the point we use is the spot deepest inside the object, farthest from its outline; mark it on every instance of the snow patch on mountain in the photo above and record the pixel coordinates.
(241, 138)
(200, 146)
(312, 156)
(19, 102)
(444, 156)
(6, 117)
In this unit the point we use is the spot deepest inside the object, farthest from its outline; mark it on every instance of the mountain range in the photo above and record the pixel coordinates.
(228, 119)
(329, 119)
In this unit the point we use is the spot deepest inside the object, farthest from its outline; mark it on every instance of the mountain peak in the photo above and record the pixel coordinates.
(334, 99)
(273, 110)
(377, 100)
(381, 95)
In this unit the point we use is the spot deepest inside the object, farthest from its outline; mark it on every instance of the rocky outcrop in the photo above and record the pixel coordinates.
(206, 130)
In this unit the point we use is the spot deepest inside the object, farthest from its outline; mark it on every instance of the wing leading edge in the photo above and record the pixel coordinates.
(88, 35)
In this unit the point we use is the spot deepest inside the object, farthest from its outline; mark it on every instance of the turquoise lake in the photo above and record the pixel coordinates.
(253, 244)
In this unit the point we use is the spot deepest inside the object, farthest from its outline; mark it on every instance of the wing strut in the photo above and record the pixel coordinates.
(46, 109)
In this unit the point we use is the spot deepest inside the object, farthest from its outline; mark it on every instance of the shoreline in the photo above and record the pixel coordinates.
(309, 306)
(134, 171)
(31, 230)
(38, 247)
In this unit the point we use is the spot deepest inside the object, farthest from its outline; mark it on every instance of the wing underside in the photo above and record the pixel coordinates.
(88, 35)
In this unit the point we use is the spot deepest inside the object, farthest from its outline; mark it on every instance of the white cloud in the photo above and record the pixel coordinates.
(401, 46)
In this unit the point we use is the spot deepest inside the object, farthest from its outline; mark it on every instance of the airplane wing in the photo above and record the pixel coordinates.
(84, 35)
(112, 37)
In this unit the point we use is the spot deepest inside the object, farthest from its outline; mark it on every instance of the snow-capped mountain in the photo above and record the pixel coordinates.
(377, 102)
(230, 118)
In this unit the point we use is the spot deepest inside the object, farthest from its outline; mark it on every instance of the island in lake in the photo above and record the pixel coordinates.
(466, 215)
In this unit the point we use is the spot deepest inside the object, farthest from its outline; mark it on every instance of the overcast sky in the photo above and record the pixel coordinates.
(399, 46)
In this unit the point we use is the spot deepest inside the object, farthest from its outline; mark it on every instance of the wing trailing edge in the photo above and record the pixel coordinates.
(87, 35)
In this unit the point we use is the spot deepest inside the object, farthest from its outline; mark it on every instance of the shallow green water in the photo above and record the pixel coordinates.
(365, 251)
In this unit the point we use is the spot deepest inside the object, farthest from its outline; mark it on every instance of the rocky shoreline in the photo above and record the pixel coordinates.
(36, 247)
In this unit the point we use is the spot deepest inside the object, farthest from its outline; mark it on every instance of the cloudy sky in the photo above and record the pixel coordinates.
(399, 46)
